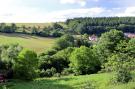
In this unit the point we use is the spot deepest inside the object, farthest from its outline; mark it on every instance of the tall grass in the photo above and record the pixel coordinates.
(94, 81)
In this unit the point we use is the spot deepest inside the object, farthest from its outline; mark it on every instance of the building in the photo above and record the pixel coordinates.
(130, 35)
(93, 38)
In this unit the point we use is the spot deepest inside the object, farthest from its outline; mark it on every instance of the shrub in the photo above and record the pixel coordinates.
(84, 61)
(53, 70)
(64, 42)
(42, 73)
(57, 75)
(48, 72)
(122, 76)
(67, 71)
(25, 66)
(76, 72)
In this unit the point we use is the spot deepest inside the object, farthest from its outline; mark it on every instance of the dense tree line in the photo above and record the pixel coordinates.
(100, 25)
(8, 29)
(97, 26)
(56, 30)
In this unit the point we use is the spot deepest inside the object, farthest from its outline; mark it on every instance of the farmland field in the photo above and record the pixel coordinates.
(41, 25)
(38, 44)
(94, 81)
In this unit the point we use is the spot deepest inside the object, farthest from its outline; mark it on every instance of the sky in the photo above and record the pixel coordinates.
(40, 11)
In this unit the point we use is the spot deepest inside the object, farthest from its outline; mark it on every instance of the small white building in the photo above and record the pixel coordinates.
(93, 38)
(130, 35)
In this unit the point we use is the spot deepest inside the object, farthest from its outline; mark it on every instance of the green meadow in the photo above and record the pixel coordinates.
(93, 81)
(38, 44)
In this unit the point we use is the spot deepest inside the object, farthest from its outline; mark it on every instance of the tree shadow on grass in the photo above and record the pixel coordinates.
(54, 83)
(42, 84)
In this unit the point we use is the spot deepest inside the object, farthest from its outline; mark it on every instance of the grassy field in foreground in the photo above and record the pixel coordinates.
(35, 43)
(99, 81)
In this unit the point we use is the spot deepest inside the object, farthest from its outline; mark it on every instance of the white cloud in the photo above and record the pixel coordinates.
(29, 14)
(129, 11)
(62, 15)
(80, 2)
(71, 13)
(15, 11)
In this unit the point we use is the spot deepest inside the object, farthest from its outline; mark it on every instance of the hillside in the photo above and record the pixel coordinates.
(94, 81)
(38, 44)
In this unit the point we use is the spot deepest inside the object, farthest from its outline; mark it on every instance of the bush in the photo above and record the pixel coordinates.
(24, 74)
(76, 72)
(57, 75)
(53, 70)
(84, 61)
(42, 73)
(48, 72)
(64, 42)
(25, 66)
(123, 76)
(67, 71)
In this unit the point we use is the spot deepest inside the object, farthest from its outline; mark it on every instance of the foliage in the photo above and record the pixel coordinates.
(57, 75)
(64, 42)
(8, 29)
(84, 61)
(57, 26)
(108, 43)
(123, 76)
(45, 59)
(55, 30)
(99, 25)
(65, 54)
(8, 54)
(51, 58)
(122, 64)
(48, 73)
(118, 61)
(49, 52)
(82, 41)
(67, 71)
(34, 31)
(26, 65)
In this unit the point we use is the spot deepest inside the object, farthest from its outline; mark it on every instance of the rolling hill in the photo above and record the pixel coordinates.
(35, 43)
